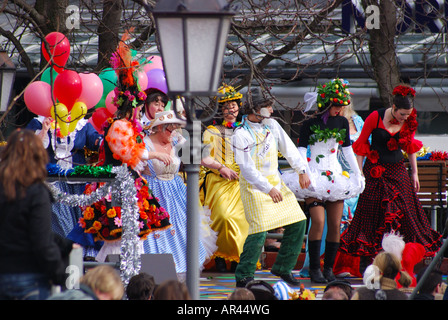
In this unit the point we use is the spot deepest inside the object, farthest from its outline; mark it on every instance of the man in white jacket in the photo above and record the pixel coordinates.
(268, 202)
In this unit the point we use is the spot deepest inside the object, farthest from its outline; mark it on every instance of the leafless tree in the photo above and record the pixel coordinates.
(266, 38)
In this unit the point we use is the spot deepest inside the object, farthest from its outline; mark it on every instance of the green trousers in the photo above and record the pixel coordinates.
(287, 256)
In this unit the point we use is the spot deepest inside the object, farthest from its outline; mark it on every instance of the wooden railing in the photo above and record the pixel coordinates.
(433, 188)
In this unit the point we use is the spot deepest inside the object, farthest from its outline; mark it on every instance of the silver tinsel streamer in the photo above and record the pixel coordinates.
(124, 186)
(130, 255)
(82, 200)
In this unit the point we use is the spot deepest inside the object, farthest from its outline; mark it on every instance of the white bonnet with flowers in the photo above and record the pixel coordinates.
(166, 117)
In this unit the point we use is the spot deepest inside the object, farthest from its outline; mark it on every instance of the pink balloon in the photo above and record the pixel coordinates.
(109, 101)
(157, 80)
(92, 89)
(142, 79)
(67, 87)
(156, 63)
(38, 98)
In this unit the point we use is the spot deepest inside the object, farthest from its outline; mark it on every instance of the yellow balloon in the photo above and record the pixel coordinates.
(60, 113)
(79, 110)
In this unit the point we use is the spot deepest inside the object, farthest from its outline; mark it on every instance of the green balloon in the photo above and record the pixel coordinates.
(109, 79)
(46, 76)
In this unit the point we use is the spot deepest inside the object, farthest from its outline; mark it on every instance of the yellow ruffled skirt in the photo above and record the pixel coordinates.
(223, 198)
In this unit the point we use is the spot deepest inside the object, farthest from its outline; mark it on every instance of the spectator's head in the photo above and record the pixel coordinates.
(432, 283)
(22, 162)
(172, 290)
(343, 285)
(241, 294)
(334, 293)
(261, 290)
(140, 287)
(105, 282)
(389, 266)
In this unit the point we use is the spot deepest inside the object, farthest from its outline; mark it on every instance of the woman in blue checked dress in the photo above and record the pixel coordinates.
(65, 153)
(167, 185)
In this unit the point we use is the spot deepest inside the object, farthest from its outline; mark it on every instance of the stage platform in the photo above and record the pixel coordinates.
(217, 286)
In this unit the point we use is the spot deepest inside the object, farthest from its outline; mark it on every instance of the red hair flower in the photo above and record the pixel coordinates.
(403, 90)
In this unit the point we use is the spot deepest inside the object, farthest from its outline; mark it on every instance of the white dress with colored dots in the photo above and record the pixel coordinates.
(328, 181)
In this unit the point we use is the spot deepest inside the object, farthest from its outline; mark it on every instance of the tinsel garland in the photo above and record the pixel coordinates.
(130, 255)
(124, 186)
(84, 171)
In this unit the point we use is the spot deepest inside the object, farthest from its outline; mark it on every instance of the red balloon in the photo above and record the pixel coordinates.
(99, 117)
(67, 87)
(59, 50)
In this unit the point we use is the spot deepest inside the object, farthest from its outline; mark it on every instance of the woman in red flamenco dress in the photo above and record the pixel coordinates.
(389, 202)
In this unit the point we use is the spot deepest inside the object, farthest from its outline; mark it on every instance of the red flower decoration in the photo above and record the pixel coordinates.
(439, 156)
(392, 144)
(408, 129)
(377, 171)
(403, 90)
(373, 156)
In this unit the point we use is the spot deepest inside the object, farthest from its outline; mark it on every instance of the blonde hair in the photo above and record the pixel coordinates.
(348, 112)
(390, 266)
(104, 279)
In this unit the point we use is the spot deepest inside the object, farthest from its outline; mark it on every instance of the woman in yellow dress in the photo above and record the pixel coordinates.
(221, 189)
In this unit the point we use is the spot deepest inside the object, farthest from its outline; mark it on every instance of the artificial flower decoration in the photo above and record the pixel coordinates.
(231, 125)
(392, 144)
(403, 90)
(128, 89)
(373, 156)
(335, 92)
(439, 155)
(377, 171)
(407, 133)
(104, 220)
(228, 94)
(328, 174)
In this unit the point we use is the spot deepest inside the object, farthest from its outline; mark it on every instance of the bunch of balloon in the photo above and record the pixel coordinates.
(65, 95)
(66, 90)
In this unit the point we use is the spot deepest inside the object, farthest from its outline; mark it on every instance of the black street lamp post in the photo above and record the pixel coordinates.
(7, 75)
(192, 36)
